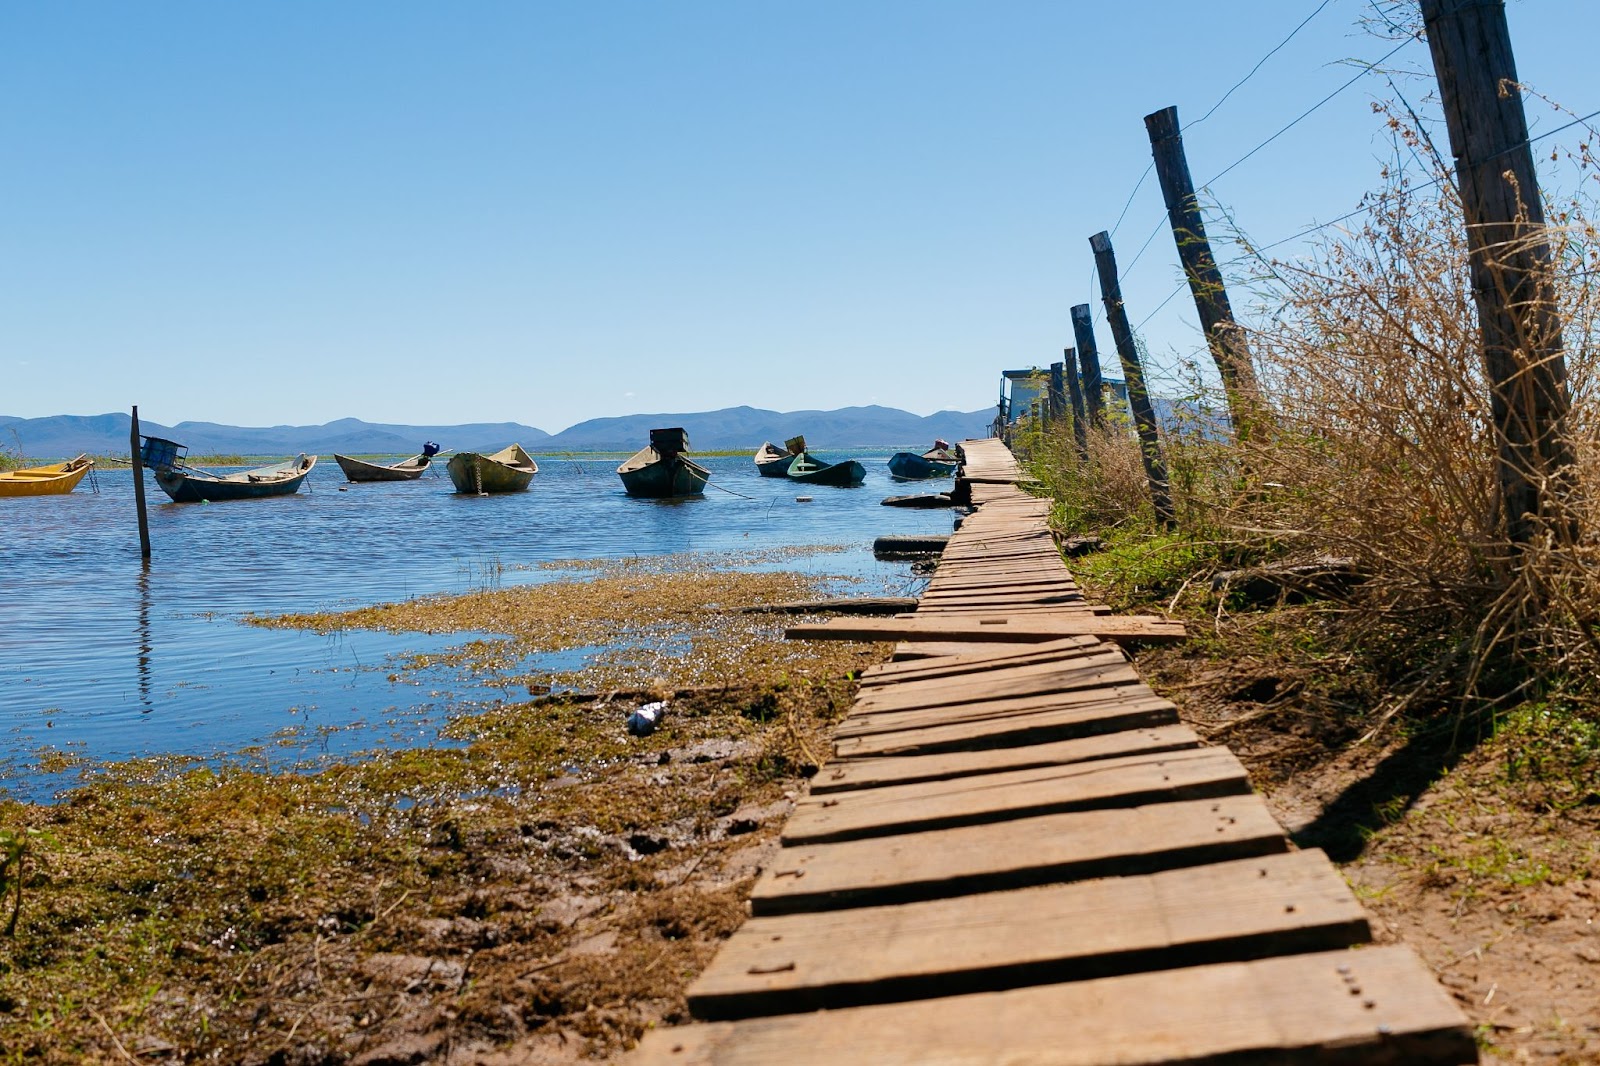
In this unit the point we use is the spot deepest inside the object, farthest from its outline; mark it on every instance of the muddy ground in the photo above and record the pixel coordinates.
(544, 891)
(541, 891)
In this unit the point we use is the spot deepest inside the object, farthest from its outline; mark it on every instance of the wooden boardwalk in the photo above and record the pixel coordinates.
(1020, 855)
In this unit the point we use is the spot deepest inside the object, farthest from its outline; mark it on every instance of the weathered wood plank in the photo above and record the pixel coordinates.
(1126, 781)
(1227, 912)
(1108, 627)
(1006, 723)
(981, 657)
(1100, 669)
(1028, 851)
(1374, 1007)
(843, 775)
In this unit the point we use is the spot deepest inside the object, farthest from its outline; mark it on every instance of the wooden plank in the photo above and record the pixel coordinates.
(1100, 669)
(1227, 912)
(1034, 720)
(925, 649)
(843, 775)
(1028, 851)
(1374, 1007)
(1126, 781)
(1115, 627)
(981, 657)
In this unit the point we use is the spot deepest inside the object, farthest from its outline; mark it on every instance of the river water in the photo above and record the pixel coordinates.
(103, 659)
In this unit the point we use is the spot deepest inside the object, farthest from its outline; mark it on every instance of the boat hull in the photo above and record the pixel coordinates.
(772, 461)
(508, 470)
(650, 475)
(54, 479)
(191, 486)
(408, 470)
(907, 466)
(809, 471)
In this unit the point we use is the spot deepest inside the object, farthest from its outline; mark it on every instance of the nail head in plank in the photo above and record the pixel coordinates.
(1128, 781)
(1294, 1010)
(845, 775)
(1028, 851)
(1226, 912)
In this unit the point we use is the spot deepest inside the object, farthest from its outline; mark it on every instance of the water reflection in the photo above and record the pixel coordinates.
(146, 645)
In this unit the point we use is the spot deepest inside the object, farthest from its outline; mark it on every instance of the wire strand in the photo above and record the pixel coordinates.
(1259, 64)
(1307, 113)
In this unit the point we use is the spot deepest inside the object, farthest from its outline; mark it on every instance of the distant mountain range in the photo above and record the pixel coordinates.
(62, 436)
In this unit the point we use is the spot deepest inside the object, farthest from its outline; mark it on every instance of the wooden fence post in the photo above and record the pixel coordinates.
(1089, 356)
(138, 485)
(1058, 393)
(1509, 255)
(1225, 339)
(1080, 427)
(1144, 418)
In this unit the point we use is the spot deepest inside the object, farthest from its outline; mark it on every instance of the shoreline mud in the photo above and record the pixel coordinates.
(543, 890)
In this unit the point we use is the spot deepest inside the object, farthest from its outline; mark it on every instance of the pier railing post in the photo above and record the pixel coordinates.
(1080, 428)
(1089, 356)
(1144, 417)
(1509, 256)
(1223, 336)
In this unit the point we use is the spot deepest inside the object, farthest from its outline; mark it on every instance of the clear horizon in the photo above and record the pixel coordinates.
(542, 213)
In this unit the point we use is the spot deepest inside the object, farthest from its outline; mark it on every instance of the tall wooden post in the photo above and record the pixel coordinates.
(138, 485)
(1089, 355)
(1080, 426)
(1223, 336)
(1058, 393)
(1144, 418)
(1509, 254)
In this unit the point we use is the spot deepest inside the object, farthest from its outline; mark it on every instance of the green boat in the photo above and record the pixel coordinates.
(660, 470)
(809, 469)
(508, 470)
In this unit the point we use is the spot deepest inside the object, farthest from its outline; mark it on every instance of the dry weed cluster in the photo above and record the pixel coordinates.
(1377, 449)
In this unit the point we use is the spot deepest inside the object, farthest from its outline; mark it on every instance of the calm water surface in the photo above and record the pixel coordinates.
(103, 659)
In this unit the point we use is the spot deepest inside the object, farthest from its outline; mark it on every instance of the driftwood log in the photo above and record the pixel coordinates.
(1318, 579)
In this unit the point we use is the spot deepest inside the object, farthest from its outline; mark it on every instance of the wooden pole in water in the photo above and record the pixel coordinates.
(1144, 418)
(138, 485)
(1223, 336)
(1089, 356)
(1508, 252)
(1080, 428)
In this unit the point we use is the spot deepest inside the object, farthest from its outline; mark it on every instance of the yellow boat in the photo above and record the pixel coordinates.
(57, 479)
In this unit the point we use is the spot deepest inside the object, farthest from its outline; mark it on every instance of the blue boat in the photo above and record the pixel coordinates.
(937, 461)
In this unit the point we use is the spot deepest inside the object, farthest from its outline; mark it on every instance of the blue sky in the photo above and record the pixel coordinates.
(545, 212)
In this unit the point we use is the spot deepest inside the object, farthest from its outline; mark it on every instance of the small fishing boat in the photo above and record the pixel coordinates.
(813, 471)
(187, 484)
(405, 470)
(53, 479)
(937, 461)
(508, 470)
(660, 470)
